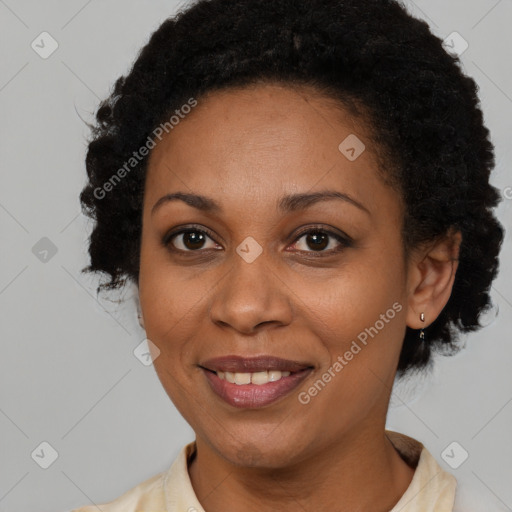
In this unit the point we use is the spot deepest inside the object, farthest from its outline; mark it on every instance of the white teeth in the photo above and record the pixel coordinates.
(242, 378)
(274, 375)
(258, 378)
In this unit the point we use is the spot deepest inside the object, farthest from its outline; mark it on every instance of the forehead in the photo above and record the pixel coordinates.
(260, 142)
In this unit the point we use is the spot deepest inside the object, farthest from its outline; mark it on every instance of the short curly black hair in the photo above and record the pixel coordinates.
(372, 56)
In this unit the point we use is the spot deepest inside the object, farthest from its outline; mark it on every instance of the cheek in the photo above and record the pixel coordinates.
(361, 324)
(167, 301)
(354, 301)
(357, 374)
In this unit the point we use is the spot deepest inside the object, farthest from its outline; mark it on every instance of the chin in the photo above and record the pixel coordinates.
(266, 452)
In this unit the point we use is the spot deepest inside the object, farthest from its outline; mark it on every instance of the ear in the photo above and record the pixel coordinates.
(140, 317)
(431, 273)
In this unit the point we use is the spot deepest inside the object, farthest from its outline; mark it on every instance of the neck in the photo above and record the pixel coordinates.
(362, 472)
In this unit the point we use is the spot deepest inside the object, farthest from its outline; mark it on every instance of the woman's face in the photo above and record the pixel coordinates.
(248, 283)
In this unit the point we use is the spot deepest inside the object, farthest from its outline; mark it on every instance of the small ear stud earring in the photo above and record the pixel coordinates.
(422, 332)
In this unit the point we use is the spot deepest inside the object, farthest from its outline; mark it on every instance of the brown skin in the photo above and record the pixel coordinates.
(245, 149)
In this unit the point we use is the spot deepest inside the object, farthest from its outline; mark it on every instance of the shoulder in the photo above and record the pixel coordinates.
(148, 495)
(431, 488)
(171, 486)
(439, 487)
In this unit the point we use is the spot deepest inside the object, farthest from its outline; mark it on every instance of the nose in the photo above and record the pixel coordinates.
(251, 296)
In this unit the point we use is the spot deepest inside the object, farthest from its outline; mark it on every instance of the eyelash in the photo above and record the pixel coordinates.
(345, 241)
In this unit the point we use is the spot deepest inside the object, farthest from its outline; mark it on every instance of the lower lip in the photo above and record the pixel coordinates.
(252, 396)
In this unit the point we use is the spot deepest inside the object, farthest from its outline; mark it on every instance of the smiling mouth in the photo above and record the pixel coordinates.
(256, 389)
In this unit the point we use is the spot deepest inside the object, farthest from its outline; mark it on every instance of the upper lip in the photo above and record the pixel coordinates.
(239, 364)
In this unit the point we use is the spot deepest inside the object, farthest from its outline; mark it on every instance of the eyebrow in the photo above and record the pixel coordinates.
(287, 204)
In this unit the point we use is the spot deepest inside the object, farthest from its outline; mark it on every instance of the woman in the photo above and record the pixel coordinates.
(300, 191)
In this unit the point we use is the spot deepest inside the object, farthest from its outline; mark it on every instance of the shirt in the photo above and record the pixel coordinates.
(431, 489)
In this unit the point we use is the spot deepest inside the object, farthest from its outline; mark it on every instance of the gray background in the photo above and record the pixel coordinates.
(68, 373)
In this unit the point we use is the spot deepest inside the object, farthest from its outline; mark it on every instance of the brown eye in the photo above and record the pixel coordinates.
(188, 240)
(193, 240)
(317, 240)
